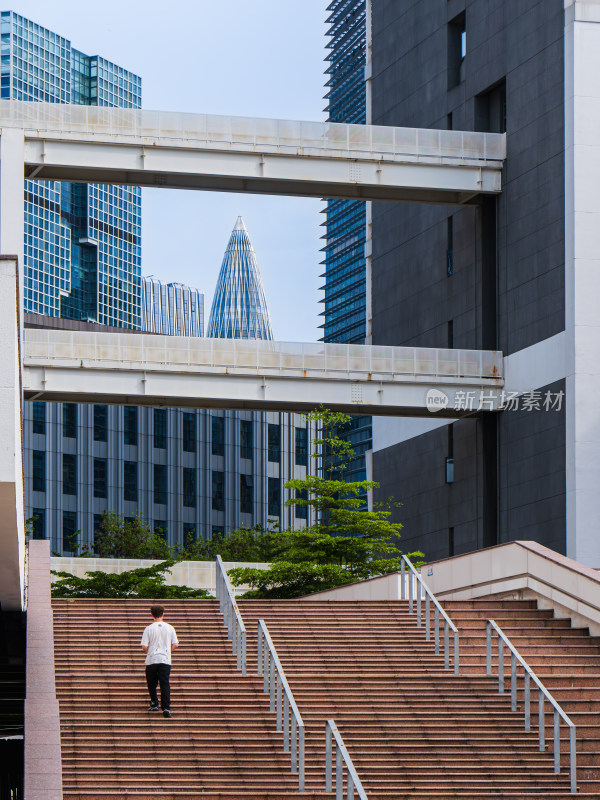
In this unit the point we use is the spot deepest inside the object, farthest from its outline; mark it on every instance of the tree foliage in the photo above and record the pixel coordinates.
(147, 582)
(346, 543)
(124, 538)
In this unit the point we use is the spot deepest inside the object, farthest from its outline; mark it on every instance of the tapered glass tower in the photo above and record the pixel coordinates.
(239, 309)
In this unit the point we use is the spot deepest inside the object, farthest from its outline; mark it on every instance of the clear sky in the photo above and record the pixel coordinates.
(262, 58)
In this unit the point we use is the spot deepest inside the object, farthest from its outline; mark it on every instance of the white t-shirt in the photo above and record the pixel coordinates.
(158, 637)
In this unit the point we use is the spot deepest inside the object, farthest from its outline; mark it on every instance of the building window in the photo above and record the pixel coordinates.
(246, 494)
(160, 484)
(189, 487)
(301, 511)
(246, 438)
(450, 541)
(69, 519)
(218, 436)
(39, 418)
(69, 420)
(301, 447)
(130, 481)
(100, 477)
(189, 431)
(218, 491)
(457, 49)
(69, 473)
(160, 428)
(490, 109)
(38, 528)
(97, 531)
(189, 533)
(39, 471)
(274, 499)
(274, 442)
(450, 246)
(130, 425)
(100, 423)
(450, 456)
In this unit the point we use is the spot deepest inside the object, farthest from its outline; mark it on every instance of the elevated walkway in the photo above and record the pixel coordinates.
(144, 369)
(268, 156)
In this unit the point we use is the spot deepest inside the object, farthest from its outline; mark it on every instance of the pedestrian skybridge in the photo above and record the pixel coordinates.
(270, 156)
(146, 369)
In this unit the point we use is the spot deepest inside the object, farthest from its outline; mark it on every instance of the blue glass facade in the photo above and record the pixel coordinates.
(344, 313)
(82, 242)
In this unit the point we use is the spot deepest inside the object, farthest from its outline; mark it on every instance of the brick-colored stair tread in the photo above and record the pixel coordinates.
(413, 728)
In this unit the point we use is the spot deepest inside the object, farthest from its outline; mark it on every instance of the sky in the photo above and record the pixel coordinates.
(258, 58)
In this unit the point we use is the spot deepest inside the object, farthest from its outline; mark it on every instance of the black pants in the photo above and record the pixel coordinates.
(155, 674)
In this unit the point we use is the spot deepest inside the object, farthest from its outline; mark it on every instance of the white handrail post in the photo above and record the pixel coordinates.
(328, 763)
(294, 745)
(513, 682)
(556, 742)
(456, 653)
(286, 724)
(301, 758)
(427, 618)
(488, 648)
(259, 645)
(500, 666)
(527, 694)
(272, 684)
(410, 593)
(279, 707)
(573, 759)
(339, 774)
(402, 581)
(418, 604)
(437, 631)
(541, 721)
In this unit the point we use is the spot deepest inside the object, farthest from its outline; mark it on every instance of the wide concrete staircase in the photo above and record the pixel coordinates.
(413, 729)
(565, 659)
(221, 741)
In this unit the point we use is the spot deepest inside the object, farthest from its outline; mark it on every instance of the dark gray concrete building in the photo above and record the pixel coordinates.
(494, 275)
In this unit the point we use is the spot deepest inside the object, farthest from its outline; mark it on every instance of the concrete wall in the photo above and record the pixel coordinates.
(195, 574)
(509, 482)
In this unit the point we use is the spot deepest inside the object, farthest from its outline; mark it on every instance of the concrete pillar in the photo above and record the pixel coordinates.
(43, 766)
(12, 514)
(582, 278)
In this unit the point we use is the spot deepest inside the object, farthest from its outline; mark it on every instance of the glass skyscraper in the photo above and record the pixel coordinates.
(345, 313)
(82, 242)
(239, 309)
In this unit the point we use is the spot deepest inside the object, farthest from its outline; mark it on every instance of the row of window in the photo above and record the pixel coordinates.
(160, 432)
(160, 484)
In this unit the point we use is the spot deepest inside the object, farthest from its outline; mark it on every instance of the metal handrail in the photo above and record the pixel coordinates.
(543, 694)
(341, 757)
(429, 598)
(281, 700)
(236, 630)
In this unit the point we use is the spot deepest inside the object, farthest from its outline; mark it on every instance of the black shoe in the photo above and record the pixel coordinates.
(153, 707)
(166, 713)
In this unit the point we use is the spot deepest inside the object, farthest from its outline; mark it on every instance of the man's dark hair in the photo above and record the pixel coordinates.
(157, 611)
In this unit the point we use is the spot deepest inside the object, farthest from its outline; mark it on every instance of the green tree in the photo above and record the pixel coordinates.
(345, 544)
(148, 582)
(243, 544)
(122, 538)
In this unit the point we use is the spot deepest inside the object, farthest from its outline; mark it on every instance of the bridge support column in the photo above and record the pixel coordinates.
(12, 511)
(12, 160)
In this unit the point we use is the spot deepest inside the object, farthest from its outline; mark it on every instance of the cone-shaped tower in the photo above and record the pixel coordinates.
(239, 308)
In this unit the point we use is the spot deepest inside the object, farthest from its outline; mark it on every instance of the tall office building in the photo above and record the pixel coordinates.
(345, 288)
(188, 472)
(82, 242)
(171, 308)
(517, 272)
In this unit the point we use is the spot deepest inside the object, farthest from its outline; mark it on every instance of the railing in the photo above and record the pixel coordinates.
(415, 581)
(236, 630)
(281, 701)
(341, 757)
(543, 695)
